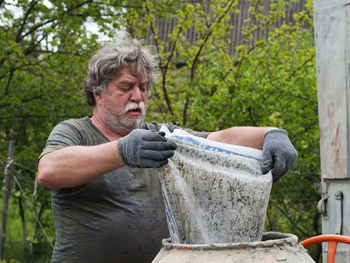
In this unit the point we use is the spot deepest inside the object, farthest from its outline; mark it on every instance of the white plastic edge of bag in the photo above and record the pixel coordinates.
(213, 145)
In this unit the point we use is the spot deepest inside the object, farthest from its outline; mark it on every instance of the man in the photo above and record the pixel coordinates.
(102, 169)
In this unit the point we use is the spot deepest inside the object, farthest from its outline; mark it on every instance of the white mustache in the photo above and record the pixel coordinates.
(135, 106)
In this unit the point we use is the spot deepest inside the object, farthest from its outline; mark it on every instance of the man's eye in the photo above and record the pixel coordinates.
(125, 88)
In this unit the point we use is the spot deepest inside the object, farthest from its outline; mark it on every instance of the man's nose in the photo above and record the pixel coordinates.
(136, 94)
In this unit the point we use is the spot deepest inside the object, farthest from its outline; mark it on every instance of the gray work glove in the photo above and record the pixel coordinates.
(145, 149)
(278, 152)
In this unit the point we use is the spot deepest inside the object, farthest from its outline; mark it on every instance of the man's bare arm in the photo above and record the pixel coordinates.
(75, 165)
(244, 136)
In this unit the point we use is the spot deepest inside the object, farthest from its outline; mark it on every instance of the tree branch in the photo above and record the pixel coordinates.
(40, 116)
(304, 173)
(26, 15)
(31, 30)
(23, 220)
(172, 52)
(166, 96)
(196, 58)
(291, 220)
(310, 125)
(9, 81)
(23, 101)
(300, 67)
(21, 67)
(165, 70)
(69, 11)
(59, 52)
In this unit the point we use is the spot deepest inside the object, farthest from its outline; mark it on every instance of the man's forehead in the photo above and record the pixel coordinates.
(124, 73)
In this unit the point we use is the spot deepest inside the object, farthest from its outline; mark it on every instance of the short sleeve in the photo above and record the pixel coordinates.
(63, 134)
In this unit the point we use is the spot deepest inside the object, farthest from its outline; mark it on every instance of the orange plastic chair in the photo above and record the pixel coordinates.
(332, 243)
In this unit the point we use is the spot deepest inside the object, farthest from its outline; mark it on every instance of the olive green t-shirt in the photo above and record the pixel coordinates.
(119, 217)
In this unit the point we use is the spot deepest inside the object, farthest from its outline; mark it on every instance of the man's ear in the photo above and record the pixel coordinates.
(97, 97)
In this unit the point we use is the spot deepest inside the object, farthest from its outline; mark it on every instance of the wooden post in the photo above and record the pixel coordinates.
(7, 191)
(332, 40)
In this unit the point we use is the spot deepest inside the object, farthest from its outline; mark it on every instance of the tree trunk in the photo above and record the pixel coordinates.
(7, 191)
(36, 226)
(24, 224)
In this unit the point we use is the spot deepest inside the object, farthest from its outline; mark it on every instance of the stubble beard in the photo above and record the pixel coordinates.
(117, 121)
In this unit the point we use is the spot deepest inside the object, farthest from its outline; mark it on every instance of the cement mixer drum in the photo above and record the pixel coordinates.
(274, 247)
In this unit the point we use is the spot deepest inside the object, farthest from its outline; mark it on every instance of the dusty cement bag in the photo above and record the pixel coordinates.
(214, 192)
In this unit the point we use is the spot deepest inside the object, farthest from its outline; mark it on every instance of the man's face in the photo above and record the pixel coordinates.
(123, 105)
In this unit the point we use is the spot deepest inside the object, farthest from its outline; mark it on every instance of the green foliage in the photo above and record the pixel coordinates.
(268, 81)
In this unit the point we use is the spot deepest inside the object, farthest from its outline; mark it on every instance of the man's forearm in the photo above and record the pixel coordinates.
(75, 165)
(244, 136)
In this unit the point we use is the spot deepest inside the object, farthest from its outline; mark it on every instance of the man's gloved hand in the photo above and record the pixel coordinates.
(145, 149)
(278, 152)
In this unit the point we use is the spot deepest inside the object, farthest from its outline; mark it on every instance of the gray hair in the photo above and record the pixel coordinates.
(125, 52)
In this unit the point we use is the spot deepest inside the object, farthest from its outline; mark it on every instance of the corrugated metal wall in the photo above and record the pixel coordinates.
(237, 20)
